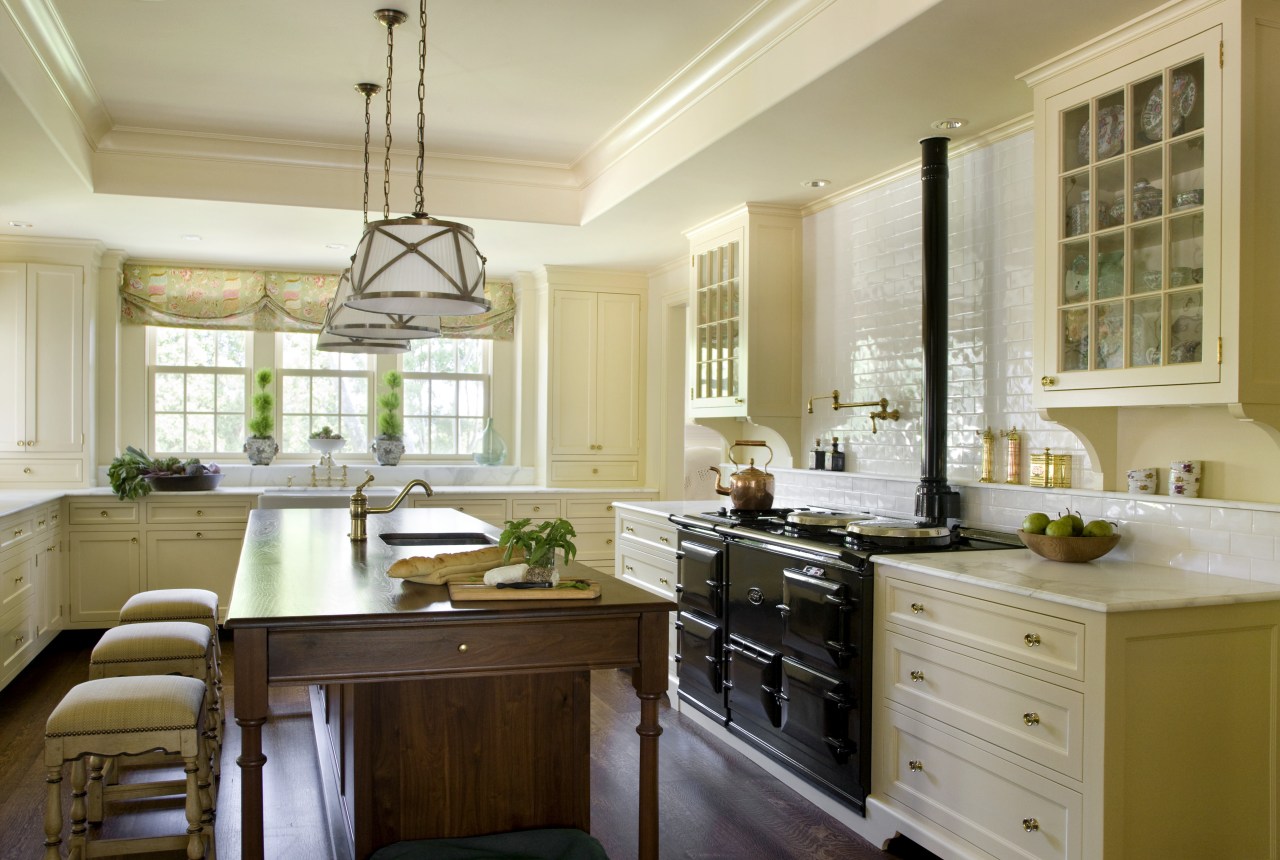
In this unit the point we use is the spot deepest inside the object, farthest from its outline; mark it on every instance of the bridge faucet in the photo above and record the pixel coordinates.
(360, 509)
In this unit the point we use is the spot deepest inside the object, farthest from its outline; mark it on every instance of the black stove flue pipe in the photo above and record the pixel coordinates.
(936, 502)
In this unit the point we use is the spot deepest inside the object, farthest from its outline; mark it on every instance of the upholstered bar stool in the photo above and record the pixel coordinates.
(161, 648)
(119, 717)
(178, 604)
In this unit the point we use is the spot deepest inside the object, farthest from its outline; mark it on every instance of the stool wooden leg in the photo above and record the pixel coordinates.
(53, 813)
(76, 843)
(195, 840)
(95, 789)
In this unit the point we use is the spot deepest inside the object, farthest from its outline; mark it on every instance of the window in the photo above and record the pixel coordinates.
(197, 381)
(446, 396)
(322, 389)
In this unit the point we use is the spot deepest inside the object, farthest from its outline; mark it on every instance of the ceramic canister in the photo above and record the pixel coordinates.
(1188, 468)
(1142, 480)
(1189, 489)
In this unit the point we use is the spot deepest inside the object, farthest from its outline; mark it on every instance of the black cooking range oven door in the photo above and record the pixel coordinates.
(798, 670)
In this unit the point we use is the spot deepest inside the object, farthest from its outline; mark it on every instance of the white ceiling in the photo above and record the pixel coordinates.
(568, 132)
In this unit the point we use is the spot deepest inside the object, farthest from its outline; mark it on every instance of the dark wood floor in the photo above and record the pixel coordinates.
(715, 803)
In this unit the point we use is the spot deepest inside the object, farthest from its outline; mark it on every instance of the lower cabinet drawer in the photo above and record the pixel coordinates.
(581, 509)
(204, 511)
(1001, 808)
(594, 540)
(662, 536)
(492, 511)
(535, 509)
(17, 634)
(648, 572)
(103, 512)
(1041, 721)
(594, 471)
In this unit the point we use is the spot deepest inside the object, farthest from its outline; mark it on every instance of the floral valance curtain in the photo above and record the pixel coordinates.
(257, 300)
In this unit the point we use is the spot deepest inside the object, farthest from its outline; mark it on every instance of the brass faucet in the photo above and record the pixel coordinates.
(360, 509)
(882, 414)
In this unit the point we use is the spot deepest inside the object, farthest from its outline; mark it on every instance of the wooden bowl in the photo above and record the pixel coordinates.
(1074, 549)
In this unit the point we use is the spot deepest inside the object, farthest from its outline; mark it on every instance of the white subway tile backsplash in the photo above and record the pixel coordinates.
(1253, 546)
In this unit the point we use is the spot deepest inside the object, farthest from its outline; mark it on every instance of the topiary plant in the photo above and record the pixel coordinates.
(263, 422)
(390, 424)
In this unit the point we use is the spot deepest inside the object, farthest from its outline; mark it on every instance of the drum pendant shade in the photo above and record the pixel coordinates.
(418, 266)
(348, 322)
(334, 343)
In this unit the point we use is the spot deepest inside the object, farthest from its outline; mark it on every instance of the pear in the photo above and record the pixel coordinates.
(1098, 528)
(1034, 524)
(1062, 527)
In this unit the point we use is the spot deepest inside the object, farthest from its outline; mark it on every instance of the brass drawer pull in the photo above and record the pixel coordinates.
(917, 675)
(629, 568)
(27, 470)
(17, 532)
(915, 766)
(103, 514)
(18, 580)
(462, 649)
(917, 608)
(664, 539)
(199, 512)
(663, 580)
(1030, 825)
(1032, 639)
(1032, 719)
(199, 534)
(628, 530)
(133, 540)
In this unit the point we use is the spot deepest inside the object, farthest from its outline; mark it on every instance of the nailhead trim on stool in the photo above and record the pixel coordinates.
(127, 716)
(178, 604)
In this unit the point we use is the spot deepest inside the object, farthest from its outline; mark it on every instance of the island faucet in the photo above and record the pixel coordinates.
(360, 509)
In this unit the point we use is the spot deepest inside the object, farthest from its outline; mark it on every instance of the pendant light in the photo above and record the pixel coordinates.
(349, 330)
(417, 264)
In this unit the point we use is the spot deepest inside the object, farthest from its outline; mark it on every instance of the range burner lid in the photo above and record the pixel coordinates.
(824, 519)
(891, 532)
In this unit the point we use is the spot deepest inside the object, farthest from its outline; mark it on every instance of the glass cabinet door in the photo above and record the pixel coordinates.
(1136, 295)
(718, 328)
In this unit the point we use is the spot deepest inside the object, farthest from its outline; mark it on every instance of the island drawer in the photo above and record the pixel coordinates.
(1029, 638)
(535, 509)
(1041, 721)
(198, 511)
(998, 806)
(406, 651)
(101, 512)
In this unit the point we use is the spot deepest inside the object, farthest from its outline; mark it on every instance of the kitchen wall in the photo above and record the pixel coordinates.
(862, 325)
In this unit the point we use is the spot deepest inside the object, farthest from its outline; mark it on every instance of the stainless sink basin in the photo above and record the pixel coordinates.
(437, 539)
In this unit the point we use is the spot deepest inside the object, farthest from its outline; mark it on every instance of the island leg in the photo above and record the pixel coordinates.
(650, 682)
(251, 714)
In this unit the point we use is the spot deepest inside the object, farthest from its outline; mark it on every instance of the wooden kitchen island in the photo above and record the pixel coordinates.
(443, 719)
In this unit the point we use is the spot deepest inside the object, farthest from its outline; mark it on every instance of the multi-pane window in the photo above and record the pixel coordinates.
(446, 396)
(322, 389)
(197, 390)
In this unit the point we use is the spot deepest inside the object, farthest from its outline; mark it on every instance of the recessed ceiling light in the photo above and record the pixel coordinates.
(816, 183)
(950, 123)
(192, 237)
(21, 224)
(334, 246)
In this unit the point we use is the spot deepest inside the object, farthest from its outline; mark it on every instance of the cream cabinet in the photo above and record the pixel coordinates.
(32, 597)
(647, 559)
(491, 510)
(106, 570)
(1012, 727)
(744, 338)
(42, 383)
(1157, 199)
(595, 378)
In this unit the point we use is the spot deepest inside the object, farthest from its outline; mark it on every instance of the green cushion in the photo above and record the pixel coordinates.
(547, 844)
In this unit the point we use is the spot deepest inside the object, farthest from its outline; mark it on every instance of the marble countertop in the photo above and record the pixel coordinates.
(13, 501)
(669, 507)
(1101, 586)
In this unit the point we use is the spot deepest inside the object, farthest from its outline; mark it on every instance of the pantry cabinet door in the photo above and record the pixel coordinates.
(13, 356)
(55, 314)
(618, 368)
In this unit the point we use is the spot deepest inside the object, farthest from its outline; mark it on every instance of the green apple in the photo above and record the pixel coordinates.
(1034, 524)
(1060, 528)
(1098, 528)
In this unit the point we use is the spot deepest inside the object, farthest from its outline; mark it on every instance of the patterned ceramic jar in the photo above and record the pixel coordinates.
(1142, 481)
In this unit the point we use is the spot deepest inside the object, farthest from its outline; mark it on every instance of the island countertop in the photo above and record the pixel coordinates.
(299, 566)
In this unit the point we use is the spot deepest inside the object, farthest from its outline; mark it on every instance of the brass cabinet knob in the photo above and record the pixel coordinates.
(1032, 639)
(537, 508)
(595, 471)
(917, 675)
(1048, 381)
(133, 540)
(1030, 825)
(21, 443)
(609, 508)
(917, 608)
(916, 766)
(608, 541)
(26, 470)
(199, 512)
(199, 534)
(462, 649)
(31, 443)
(103, 514)
(1031, 719)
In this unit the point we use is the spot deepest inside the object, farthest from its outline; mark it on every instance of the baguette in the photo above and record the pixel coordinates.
(439, 569)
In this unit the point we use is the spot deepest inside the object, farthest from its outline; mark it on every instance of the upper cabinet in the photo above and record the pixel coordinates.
(1158, 207)
(744, 355)
(42, 383)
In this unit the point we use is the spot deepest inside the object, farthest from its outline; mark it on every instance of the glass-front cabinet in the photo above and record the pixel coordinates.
(717, 347)
(1132, 246)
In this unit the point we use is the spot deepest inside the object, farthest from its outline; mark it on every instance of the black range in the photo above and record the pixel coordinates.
(775, 630)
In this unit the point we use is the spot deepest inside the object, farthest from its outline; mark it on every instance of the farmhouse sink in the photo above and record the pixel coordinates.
(437, 539)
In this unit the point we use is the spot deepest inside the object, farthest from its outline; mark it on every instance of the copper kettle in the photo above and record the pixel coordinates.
(750, 489)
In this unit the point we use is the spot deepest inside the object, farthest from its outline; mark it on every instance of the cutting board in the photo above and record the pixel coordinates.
(479, 591)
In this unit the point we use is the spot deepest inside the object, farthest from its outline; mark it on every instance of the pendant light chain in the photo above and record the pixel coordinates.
(368, 90)
(419, 204)
(386, 161)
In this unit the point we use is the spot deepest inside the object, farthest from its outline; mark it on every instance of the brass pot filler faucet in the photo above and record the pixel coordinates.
(881, 414)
